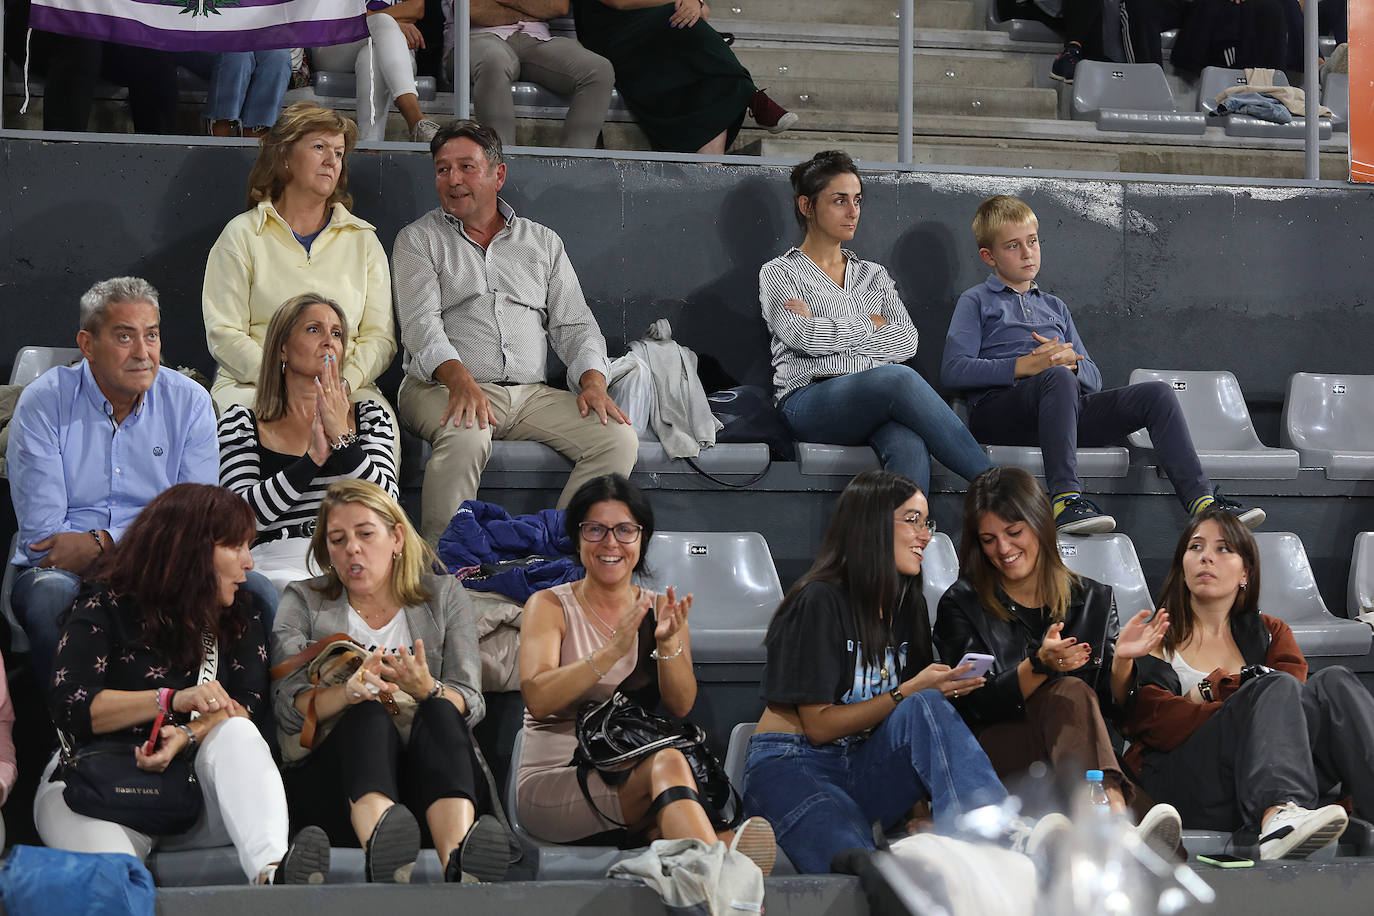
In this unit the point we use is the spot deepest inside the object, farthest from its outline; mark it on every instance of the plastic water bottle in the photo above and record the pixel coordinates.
(1097, 793)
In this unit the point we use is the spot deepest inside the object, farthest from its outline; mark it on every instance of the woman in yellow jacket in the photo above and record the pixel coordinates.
(296, 236)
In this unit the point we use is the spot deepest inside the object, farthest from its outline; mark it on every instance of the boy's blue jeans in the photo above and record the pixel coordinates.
(245, 86)
(893, 409)
(822, 800)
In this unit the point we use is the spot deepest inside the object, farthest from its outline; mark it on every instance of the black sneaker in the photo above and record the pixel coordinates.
(1251, 518)
(484, 854)
(1066, 64)
(393, 847)
(1080, 516)
(306, 860)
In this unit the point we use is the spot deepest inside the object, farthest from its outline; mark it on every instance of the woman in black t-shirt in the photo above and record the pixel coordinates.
(857, 727)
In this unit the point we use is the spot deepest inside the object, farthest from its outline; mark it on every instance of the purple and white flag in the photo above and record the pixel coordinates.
(205, 25)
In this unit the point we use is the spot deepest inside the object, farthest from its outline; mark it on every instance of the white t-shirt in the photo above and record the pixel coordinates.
(1188, 676)
(390, 637)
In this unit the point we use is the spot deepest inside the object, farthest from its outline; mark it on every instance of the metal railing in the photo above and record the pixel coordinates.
(906, 51)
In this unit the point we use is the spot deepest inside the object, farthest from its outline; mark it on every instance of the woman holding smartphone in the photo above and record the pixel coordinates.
(858, 728)
(1061, 660)
(1226, 723)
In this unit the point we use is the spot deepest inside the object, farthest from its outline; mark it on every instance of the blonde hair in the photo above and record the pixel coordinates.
(270, 176)
(416, 556)
(270, 403)
(999, 211)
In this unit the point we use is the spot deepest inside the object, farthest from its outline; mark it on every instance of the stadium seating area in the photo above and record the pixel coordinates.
(983, 97)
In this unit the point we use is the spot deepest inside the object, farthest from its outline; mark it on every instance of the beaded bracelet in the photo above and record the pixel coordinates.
(591, 664)
(663, 658)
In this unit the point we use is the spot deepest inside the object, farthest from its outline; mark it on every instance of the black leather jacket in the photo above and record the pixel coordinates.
(962, 625)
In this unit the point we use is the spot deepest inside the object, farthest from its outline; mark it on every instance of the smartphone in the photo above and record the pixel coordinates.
(981, 663)
(1222, 860)
(151, 745)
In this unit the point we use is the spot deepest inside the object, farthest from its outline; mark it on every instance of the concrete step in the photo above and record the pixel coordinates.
(874, 105)
(1076, 155)
(930, 14)
(932, 67)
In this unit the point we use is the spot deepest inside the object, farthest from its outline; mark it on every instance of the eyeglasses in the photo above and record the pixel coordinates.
(917, 523)
(625, 532)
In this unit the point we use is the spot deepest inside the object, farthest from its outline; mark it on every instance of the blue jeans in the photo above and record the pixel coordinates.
(894, 410)
(823, 800)
(38, 596)
(245, 86)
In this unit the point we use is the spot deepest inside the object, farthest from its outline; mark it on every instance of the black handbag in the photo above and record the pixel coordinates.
(104, 782)
(616, 734)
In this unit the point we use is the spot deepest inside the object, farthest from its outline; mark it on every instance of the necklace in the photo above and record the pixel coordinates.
(586, 602)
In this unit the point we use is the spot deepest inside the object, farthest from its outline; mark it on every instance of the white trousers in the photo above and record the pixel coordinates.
(385, 69)
(284, 561)
(245, 805)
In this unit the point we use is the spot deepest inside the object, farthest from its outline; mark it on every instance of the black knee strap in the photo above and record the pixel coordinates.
(670, 795)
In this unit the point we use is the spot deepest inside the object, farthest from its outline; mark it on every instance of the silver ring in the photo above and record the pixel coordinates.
(956, 693)
(1062, 663)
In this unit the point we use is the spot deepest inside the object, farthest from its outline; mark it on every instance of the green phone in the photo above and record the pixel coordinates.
(1222, 860)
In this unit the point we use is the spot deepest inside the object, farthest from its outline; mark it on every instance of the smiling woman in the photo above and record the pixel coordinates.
(1061, 660)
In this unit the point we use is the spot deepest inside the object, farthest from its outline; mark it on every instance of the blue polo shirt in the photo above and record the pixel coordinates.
(991, 329)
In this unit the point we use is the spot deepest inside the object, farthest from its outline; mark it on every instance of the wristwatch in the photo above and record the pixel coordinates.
(1039, 667)
(897, 696)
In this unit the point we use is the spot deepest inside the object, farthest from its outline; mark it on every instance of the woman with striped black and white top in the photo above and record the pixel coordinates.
(841, 335)
(302, 436)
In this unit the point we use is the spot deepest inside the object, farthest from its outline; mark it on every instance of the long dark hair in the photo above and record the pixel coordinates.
(856, 555)
(1178, 601)
(601, 489)
(1012, 494)
(810, 178)
(166, 561)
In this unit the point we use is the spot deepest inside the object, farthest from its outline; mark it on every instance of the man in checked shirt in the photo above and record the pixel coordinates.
(481, 294)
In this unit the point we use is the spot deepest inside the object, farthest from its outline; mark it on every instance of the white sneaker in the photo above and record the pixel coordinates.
(1033, 837)
(423, 131)
(1295, 833)
(1160, 829)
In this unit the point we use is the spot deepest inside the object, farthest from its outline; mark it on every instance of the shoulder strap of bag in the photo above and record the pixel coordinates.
(305, 656)
(209, 662)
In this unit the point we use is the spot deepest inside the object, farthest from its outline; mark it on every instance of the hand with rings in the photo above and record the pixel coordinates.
(1066, 654)
(366, 682)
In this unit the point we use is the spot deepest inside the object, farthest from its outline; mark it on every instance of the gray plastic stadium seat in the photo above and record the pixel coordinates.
(842, 460)
(1329, 419)
(1360, 586)
(535, 101)
(939, 569)
(19, 640)
(1110, 559)
(31, 362)
(336, 85)
(1220, 425)
(555, 861)
(220, 866)
(1021, 29)
(1092, 462)
(1130, 97)
(1336, 96)
(734, 586)
(1215, 79)
(1289, 591)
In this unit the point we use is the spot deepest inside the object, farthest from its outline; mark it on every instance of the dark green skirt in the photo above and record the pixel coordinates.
(684, 86)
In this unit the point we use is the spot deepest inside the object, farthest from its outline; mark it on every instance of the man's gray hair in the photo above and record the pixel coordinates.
(106, 293)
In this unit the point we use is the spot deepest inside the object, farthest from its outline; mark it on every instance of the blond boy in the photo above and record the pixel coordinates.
(1016, 354)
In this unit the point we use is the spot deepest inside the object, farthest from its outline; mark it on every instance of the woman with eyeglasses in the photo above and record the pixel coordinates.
(858, 728)
(580, 642)
(1061, 659)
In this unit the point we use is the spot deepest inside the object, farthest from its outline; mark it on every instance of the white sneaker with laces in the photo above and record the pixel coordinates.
(1032, 837)
(1293, 832)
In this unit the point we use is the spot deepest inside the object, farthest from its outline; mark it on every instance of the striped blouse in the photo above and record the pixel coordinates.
(839, 337)
(284, 490)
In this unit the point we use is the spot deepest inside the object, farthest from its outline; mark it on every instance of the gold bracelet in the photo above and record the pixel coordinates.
(663, 658)
(591, 664)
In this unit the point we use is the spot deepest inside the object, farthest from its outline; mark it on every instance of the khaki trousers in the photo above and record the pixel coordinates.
(523, 412)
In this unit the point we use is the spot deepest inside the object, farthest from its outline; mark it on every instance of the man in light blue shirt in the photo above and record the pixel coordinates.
(91, 444)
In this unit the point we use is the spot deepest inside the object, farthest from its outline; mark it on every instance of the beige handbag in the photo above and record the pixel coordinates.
(332, 661)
